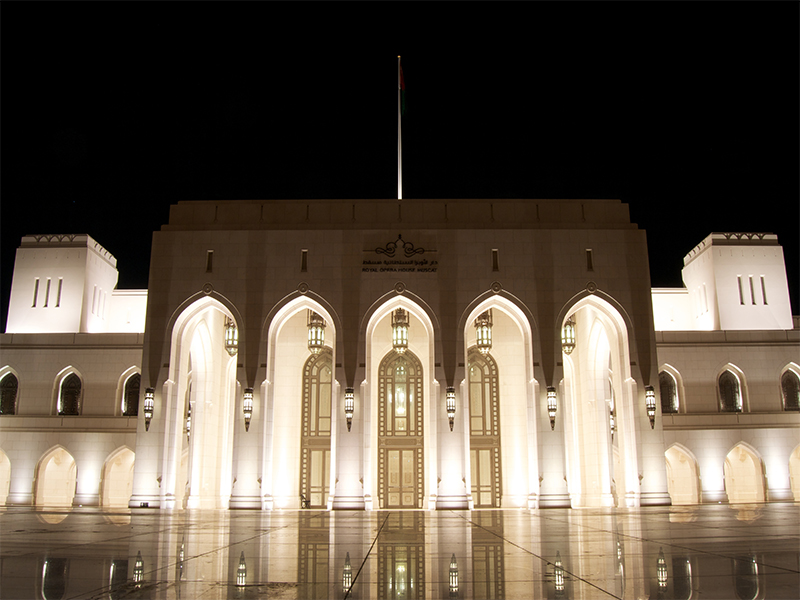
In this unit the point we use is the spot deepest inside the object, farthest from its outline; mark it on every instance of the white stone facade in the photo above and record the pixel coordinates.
(262, 267)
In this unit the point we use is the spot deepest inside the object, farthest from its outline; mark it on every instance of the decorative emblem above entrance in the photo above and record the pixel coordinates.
(392, 248)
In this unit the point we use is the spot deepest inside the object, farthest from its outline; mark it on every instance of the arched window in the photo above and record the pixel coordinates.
(669, 392)
(790, 388)
(730, 395)
(8, 394)
(315, 441)
(69, 396)
(130, 396)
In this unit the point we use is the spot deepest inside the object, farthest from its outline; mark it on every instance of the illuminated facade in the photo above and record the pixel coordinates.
(399, 354)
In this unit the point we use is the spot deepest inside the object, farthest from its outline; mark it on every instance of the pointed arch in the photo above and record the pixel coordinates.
(683, 475)
(513, 351)
(670, 383)
(128, 391)
(117, 478)
(315, 458)
(9, 391)
(68, 392)
(790, 387)
(732, 389)
(55, 478)
(423, 346)
(744, 475)
(287, 358)
(401, 431)
(484, 428)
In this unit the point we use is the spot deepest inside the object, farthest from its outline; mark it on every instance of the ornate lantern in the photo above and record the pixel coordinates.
(247, 407)
(451, 405)
(552, 406)
(568, 336)
(650, 401)
(316, 332)
(483, 332)
(400, 330)
(149, 404)
(231, 337)
(349, 406)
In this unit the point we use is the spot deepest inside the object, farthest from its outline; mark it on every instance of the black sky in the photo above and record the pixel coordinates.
(112, 112)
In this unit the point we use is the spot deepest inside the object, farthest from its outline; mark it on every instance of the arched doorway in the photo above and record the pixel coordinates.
(202, 385)
(600, 420)
(315, 456)
(56, 476)
(682, 476)
(744, 476)
(484, 425)
(117, 479)
(400, 432)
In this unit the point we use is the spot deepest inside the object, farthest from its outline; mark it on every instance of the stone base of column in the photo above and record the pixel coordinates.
(457, 502)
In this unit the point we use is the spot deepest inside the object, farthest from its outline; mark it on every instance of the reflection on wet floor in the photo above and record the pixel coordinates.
(736, 552)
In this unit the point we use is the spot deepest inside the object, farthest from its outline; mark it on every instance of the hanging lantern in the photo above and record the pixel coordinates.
(349, 406)
(247, 407)
(400, 330)
(149, 404)
(453, 577)
(483, 332)
(661, 570)
(316, 332)
(650, 402)
(568, 336)
(347, 575)
(552, 406)
(451, 405)
(231, 337)
(241, 572)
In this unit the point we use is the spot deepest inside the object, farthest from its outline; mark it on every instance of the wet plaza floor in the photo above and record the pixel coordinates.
(710, 551)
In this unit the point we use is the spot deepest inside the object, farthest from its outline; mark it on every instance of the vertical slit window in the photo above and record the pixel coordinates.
(763, 290)
(94, 301)
(47, 293)
(209, 261)
(303, 260)
(589, 260)
(705, 299)
(35, 291)
(495, 259)
(58, 293)
(741, 290)
(752, 291)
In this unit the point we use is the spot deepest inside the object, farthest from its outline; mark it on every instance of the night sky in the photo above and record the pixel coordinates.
(110, 112)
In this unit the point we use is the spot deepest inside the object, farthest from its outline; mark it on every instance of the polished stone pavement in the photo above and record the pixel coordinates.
(710, 551)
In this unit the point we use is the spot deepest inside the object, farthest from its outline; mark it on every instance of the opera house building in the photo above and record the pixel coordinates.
(391, 354)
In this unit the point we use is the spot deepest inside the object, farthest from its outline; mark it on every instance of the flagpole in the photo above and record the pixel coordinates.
(399, 138)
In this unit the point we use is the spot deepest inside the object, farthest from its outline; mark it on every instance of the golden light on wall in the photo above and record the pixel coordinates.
(247, 407)
(400, 330)
(231, 337)
(316, 332)
(149, 405)
(568, 336)
(483, 332)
